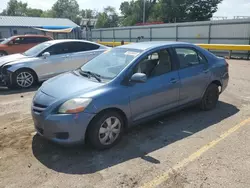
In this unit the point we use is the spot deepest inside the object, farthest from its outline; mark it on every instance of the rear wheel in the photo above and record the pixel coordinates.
(106, 130)
(3, 53)
(210, 98)
(23, 79)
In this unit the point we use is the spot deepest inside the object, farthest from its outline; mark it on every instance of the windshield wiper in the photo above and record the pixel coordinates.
(89, 73)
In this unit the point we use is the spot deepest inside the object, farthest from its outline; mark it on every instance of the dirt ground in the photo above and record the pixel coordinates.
(148, 155)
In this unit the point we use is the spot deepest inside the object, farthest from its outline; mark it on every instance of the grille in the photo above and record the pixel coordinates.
(38, 108)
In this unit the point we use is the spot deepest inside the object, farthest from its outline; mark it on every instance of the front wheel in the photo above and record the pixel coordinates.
(210, 98)
(106, 130)
(23, 79)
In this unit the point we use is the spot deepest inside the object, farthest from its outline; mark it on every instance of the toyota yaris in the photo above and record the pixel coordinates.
(124, 86)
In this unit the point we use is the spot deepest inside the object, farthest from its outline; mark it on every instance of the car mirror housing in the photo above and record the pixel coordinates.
(139, 78)
(45, 55)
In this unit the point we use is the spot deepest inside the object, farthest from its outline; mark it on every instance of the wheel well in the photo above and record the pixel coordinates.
(4, 52)
(33, 72)
(116, 110)
(108, 110)
(218, 83)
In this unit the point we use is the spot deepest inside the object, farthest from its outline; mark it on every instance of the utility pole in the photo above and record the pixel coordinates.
(144, 11)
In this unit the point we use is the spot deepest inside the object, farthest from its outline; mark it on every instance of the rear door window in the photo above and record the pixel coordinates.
(83, 46)
(189, 57)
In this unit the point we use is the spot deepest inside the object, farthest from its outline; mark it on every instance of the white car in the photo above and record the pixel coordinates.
(46, 60)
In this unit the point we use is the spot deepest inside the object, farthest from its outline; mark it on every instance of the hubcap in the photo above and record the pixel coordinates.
(110, 130)
(25, 79)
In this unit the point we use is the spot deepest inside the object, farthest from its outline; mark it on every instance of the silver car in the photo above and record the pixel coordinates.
(46, 60)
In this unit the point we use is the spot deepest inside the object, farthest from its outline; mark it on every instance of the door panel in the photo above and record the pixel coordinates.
(53, 65)
(161, 90)
(156, 95)
(194, 74)
(194, 81)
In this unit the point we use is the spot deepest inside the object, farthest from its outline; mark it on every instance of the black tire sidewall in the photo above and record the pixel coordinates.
(211, 88)
(14, 79)
(94, 127)
(3, 52)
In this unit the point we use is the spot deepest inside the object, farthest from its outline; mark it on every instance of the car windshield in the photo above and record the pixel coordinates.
(6, 41)
(37, 49)
(110, 63)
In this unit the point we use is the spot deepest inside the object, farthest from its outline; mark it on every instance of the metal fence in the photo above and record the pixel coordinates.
(208, 32)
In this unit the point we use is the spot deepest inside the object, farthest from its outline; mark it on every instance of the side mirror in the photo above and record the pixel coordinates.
(139, 78)
(10, 43)
(45, 55)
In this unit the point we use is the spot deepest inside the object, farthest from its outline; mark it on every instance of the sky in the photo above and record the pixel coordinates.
(228, 8)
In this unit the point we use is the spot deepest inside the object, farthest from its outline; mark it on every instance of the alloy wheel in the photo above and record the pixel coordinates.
(25, 79)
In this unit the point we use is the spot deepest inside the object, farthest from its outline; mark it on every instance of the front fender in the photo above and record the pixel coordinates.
(14, 68)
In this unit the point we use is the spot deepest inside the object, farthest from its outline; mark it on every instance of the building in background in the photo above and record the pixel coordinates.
(58, 28)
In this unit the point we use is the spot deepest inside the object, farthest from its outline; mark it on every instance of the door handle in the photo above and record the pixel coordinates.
(173, 80)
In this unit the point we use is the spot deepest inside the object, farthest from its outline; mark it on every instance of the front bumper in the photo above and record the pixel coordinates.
(65, 129)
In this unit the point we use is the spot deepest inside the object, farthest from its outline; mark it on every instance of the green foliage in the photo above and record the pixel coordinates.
(131, 11)
(88, 13)
(66, 9)
(108, 18)
(168, 10)
(17, 8)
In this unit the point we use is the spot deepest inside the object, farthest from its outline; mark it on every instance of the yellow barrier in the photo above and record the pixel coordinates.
(228, 47)
(112, 44)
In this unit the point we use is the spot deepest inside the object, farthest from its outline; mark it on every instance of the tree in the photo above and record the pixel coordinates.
(34, 12)
(88, 13)
(47, 14)
(66, 9)
(173, 11)
(168, 10)
(108, 18)
(201, 10)
(188, 10)
(133, 11)
(15, 8)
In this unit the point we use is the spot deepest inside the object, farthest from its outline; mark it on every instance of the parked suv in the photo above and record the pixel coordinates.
(21, 43)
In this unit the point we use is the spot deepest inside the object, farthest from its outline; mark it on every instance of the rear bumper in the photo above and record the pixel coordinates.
(224, 81)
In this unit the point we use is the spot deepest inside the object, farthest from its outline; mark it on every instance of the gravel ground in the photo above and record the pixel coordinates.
(147, 151)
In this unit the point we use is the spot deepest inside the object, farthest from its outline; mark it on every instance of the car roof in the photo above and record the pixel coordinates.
(152, 44)
(71, 40)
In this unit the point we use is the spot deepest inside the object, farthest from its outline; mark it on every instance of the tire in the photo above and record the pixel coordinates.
(3, 53)
(210, 98)
(23, 79)
(99, 133)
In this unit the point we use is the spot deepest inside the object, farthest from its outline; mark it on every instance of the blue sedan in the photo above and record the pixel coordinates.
(125, 86)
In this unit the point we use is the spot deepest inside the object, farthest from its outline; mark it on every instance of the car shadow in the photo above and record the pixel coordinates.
(138, 142)
(6, 91)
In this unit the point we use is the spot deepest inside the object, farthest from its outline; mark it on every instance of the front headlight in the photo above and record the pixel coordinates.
(74, 106)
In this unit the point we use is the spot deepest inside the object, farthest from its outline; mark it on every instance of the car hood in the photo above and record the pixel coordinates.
(12, 58)
(69, 84)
